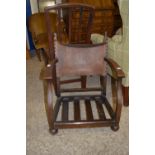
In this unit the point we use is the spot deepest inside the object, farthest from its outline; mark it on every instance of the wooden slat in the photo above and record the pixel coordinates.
(89, 113)
(100, 110)
(79, 24)
(77, 116)
(79, 97)
(109, 108)
(65, 111)
(80, 89)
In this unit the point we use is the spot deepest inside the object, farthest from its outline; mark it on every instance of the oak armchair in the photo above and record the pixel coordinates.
(83, 59)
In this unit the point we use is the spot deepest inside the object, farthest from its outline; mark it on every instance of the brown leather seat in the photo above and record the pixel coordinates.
(38, 30)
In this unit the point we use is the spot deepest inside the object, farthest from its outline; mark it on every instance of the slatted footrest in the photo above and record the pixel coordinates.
(83, 111)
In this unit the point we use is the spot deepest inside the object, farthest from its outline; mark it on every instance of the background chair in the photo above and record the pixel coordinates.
(38, 30)
(82, 59)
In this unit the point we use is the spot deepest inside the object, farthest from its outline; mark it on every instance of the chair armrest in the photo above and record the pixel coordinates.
(116, 69)
(46, 72)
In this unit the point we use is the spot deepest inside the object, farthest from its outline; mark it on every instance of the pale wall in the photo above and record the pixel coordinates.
(34, 6)
(119, 44)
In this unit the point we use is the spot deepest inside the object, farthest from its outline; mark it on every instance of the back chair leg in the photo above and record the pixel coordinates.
(38, 54)
(83, 81)
(45, 57)
(103, 82)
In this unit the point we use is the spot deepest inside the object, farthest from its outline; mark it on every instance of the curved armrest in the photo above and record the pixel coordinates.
(46, 72)
(116, 69)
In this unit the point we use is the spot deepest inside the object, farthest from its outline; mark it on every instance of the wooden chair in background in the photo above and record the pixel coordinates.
(38, 31)
(79, 59)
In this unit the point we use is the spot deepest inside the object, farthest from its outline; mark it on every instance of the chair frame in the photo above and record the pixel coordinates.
(51, 79)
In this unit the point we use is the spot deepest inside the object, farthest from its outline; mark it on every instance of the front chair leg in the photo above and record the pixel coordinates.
(83, 81)
(103, 82)
(49, 109)
(119, 102)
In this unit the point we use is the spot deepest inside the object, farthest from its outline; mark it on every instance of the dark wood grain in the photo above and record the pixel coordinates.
(52, 77)
(89, 113)
(83, 81)
(103, 82)
(65, 111)
(100, 110)
(119, 100)
(83, 124)
(107, 17)
(49, 106)
(109, 108)
(70, 81)
(80, 89)
(72, 9)
(77, 115)
(125, 90)
(116, 69)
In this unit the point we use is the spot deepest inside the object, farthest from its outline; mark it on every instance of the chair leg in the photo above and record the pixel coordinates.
(38, 54)
(103, 82)
(115, 127)
(45, 57)
(119, 102)
(49, 109)
(83, 81)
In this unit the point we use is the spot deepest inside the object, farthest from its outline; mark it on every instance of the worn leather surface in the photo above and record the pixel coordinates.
(80, 60)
